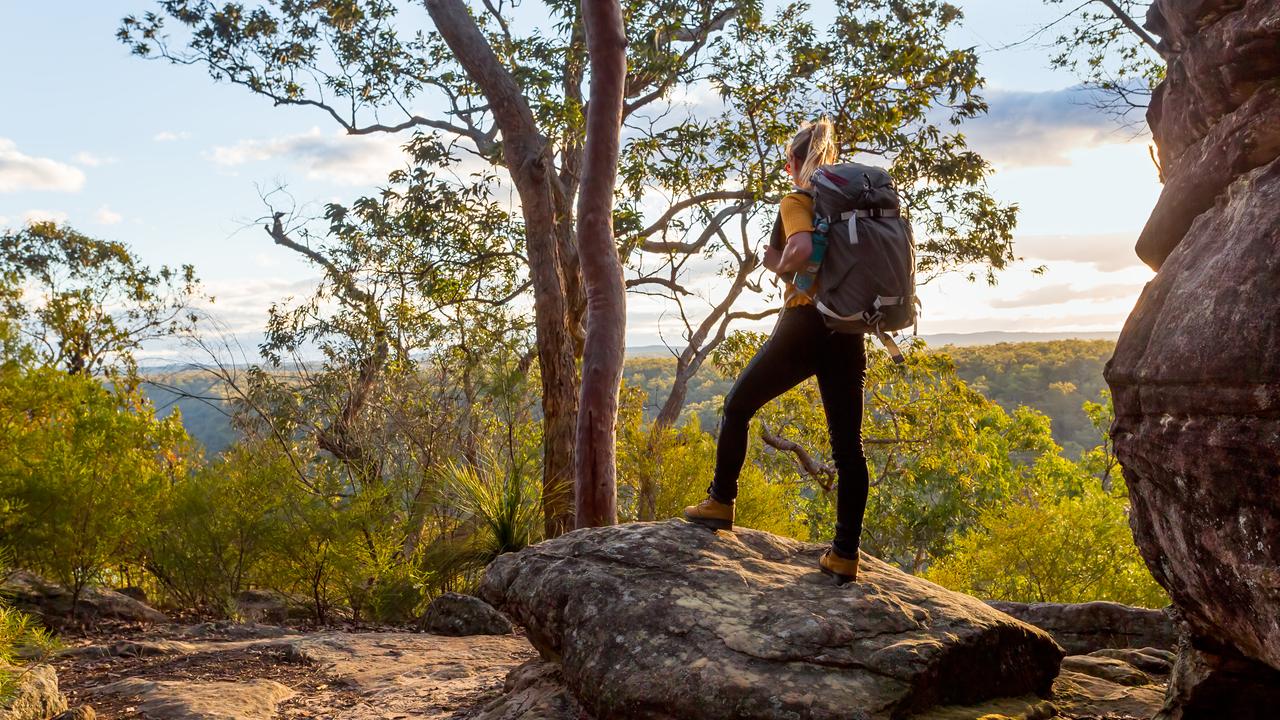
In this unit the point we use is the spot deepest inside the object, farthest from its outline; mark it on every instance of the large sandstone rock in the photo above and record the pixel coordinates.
(1213, 685)
(669, 620)
(1085, 627)
(1196, 372)
(460, 615)
(35, 595)
(35, 694)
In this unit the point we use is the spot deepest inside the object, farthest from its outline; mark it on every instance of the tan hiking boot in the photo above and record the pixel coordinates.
(839, 567)
(711, 513)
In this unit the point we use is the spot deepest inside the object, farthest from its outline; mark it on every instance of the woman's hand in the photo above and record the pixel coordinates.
(772, 256)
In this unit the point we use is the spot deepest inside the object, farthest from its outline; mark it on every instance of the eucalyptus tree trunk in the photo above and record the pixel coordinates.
(596, 467)
(527, 154)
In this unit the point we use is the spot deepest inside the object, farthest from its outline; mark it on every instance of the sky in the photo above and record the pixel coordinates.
(173, 164)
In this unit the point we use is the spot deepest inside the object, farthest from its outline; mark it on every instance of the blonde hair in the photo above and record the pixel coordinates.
(813, 145)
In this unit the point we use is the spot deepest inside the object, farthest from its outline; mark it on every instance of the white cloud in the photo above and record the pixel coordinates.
(1058, 294)
(241, 304)
(1105, 251)
(88, 159)
(23, 172)
(169, 136)
(107, 216)
(1027, 129)
(34, 216)
(338, 158)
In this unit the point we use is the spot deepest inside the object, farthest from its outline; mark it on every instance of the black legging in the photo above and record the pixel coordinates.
(800, 347)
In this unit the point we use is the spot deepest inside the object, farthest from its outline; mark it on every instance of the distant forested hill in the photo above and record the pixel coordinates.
(197, 395)
(1054, 377)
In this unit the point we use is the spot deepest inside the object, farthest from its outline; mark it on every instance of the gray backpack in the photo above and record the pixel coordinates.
(863, 255)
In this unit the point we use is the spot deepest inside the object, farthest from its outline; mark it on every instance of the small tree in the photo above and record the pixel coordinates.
(85, 305)
(87, 468)
(22, 640)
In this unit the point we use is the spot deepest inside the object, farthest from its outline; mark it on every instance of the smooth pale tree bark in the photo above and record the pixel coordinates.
(528, 157)
(596, 468)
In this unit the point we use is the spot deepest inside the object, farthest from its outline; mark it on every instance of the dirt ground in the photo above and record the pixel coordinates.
(324, 674)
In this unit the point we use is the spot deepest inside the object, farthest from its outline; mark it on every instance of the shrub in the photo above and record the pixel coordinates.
(86, 466)
(1072, 548)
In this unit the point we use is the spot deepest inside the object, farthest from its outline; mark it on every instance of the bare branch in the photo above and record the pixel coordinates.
(698, 38)
(689, 202)
(824, 474)
(668, 283)
(1129, 22)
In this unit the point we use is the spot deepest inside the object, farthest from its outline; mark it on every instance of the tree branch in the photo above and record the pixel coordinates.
(689, 202)
(823, 473)
(668, 283)
(1129, 22)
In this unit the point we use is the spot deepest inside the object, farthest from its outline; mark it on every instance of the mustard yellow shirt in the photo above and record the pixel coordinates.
(796, 210)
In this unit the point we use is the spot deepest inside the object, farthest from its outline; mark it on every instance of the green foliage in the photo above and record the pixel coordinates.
(1055, 378)
(1067, 548)
(1101, 43)
(940, 453)
(1064, 538)
(502, 504)
(1100, 461)
(671, 468)
(218, 528)
(21, 638)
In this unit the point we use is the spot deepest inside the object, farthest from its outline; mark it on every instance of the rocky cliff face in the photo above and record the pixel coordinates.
(1196, 373)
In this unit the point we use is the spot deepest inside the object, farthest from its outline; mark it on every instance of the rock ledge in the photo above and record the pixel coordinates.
(667, 620)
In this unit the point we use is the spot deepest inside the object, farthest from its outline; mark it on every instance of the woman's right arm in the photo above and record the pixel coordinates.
(799, 247)
(795, 215)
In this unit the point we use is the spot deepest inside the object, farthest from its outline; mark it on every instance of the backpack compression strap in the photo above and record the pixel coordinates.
(894, 351)
(872, 212)
(853, 215)
(872, 320)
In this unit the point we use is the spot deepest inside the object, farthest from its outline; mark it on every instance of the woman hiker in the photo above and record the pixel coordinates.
(800, 347)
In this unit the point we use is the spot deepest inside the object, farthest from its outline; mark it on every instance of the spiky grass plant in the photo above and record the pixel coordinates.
(22, 641)
(494, 509)
(504, 504)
